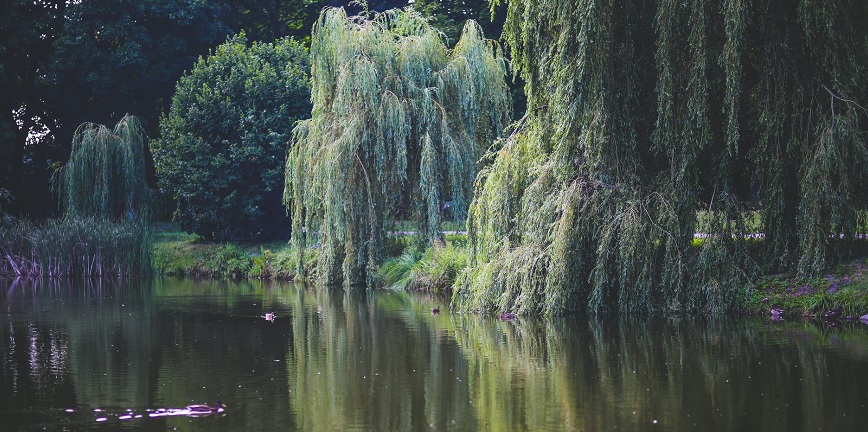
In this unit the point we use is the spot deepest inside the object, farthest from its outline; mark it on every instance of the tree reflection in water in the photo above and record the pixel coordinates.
(344, 360)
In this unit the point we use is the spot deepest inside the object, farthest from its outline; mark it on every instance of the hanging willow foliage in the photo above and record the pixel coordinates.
(105, 197)
(399, 122)
(105, 175)
(645, 118)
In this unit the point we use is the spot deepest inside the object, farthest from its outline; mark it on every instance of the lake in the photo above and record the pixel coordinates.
(109, 355)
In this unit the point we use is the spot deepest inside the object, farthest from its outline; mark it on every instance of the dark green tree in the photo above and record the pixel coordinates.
(223, 144)
(644, 116)
(63, 63)
(117, 56)
(266, 20)
(399, 121)
(27, 32)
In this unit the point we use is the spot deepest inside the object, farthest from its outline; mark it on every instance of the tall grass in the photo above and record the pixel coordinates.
(76, 247)
(434, 270)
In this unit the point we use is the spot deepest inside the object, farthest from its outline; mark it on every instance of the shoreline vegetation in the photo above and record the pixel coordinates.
(76, 247)
(435, 270)
(85, 247)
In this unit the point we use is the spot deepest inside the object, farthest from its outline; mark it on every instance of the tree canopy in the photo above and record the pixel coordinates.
(63, 63)
(223, 146)
(399, 121)
(648, 121)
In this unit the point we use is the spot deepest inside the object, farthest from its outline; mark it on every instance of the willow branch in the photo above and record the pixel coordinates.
(849, 101)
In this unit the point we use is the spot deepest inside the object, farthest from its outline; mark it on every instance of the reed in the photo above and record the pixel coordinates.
(82, 246)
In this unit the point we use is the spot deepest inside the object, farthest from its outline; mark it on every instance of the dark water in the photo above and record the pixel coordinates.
(381, 361)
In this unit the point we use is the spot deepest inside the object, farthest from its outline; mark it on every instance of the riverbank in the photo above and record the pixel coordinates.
(181, 254)
(841, 295)
(177, 253)
(843, 292)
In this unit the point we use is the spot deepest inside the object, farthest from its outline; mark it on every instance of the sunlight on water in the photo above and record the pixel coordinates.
(108, 355)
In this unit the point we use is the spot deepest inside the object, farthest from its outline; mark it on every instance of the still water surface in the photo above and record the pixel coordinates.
(94, 356)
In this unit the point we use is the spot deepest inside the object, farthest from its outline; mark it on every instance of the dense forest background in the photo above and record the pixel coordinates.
(64, 63)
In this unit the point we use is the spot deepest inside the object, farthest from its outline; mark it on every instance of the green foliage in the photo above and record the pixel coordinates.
(435, 270)
(812, 297)
(182, 254)
(83, 246)
(66, 62)
(114, 56)
(105, 175)
(223, 142)
(399, 121)
(811, 142)
(105, 231)
(449, 16)
(642, 115)
(231, 262)
(27, 31)
(266, 20)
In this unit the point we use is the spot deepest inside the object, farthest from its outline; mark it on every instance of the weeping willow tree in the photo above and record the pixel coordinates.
(105, 175)
(105, 198)
(645, 117)
(399, 122)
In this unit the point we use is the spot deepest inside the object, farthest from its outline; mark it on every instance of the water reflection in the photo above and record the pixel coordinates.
(335, 360)
(725, 375)
(366, 361)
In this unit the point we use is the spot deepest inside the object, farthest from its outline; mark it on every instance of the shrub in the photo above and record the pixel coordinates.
(223, 144)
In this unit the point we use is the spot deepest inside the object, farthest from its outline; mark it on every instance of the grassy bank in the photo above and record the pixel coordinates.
(846, 288)
(182, 254)
(435, 269)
